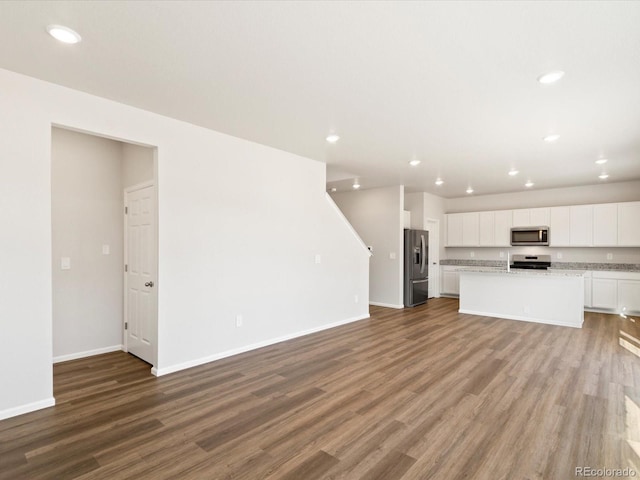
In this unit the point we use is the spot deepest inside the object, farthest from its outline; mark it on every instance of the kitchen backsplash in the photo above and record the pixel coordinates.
(595, 255)
(623, 267)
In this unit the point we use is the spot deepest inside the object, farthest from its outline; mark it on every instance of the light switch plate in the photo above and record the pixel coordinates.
(65, 263)
(106, 250)
(609, 256)
(392, 255)
(559, 255)
(472, 254)
(318, 258)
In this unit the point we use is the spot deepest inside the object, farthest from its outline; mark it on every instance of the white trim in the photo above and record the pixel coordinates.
(348, 224)
(88, 353)
(158, 372)
(388, 305)
(522, 319)
(29, 407)
(139, 186)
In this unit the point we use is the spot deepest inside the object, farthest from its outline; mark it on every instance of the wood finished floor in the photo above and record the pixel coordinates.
(423, 393)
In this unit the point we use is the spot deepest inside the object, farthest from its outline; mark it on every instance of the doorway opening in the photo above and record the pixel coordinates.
(89, 177)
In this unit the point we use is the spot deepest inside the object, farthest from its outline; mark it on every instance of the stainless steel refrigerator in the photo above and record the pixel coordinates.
(416, 267)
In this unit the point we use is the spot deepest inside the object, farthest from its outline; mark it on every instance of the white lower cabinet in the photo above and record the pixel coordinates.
(604, 293)
(587, 290)
(450, 281)
(615, 291)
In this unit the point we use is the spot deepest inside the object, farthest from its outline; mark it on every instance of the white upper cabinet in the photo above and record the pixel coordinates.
(454, 230)
(559, 233)
(605, 225)
(629, 224)
(581, 225)
(471, 229)
(539, 216)
(521, 218)
(602, 225)
(502, 228)
(531, 217)
(487, 229)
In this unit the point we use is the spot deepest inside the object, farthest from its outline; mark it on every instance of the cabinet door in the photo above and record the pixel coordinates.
(628, 224)
(605, 225)
(587, 291)
(502, 228)
(604, 293)
(521, 218)
(539, 217)
(581, 225)
(454, 230)
(559, 235)
(450, 282)
(629, 295)
(471, 229)
(487, 229)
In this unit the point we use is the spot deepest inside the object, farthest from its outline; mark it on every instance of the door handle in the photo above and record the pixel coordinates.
(148, 284)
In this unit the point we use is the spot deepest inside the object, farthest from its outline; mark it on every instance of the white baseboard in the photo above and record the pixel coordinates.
(158, 372)
(388, 305)
(522, 319)
(88, 353)
(29, 407)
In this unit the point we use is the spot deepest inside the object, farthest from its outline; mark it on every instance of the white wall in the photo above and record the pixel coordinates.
(236, 235)
(377, 216)
(86, 209)
(137, 164)
(600, 193)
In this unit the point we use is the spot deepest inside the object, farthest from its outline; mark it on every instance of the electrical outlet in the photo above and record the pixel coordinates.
(238, 320)
(609, 256)
(559, 255)
(472, 254)
(65, 263)
(501, 254)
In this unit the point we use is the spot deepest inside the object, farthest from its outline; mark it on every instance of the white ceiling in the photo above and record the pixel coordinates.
(452, 84)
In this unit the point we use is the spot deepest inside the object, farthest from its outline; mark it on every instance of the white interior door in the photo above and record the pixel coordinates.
(140, 272)
(433, 227)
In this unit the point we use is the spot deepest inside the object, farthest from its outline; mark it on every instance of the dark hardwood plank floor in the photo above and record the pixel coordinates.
(422, 393)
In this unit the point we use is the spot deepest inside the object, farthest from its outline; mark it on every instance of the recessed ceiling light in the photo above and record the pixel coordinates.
(413, 163)
(529, 184)
(551, 138)
(333, 138)
(439, 181)
(513, 172)
(334, 189)
(603, 176)
(469, 190)
(551, 77)
(356, 185)
(601, 161)
(63, 34)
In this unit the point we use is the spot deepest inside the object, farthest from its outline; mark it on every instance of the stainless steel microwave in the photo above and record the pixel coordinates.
(530, 236)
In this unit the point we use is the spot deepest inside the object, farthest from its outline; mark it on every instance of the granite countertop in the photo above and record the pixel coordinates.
(558, 266)
(524, 272)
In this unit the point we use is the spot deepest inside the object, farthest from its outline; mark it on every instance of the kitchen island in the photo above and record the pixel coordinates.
(554, 297)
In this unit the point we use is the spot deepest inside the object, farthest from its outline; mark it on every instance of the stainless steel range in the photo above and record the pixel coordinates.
(532, 262)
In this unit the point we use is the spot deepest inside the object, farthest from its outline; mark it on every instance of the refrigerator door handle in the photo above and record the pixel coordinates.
(423, 250)
(420, 281)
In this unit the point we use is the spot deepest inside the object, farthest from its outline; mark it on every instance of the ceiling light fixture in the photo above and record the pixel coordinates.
(529, 184)
(513, 172)
(551, 77)
(333, 138)
(551, 138)
(601, 161)
(414, 163)
(356, 185)
(63, 34)
(439, 181)
(469, 190)
(334, 189)
(603, 176)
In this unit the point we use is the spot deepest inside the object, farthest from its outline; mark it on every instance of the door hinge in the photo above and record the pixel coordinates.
(126, 210)
(126, 267)
(126, 325)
